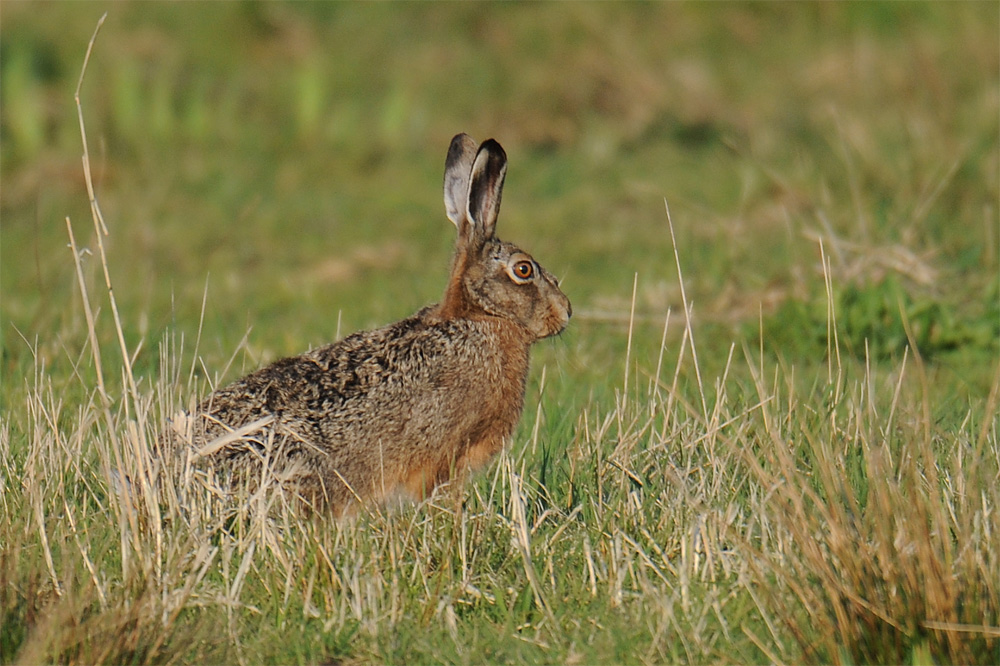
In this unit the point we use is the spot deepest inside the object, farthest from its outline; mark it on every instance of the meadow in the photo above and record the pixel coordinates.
(770, 433)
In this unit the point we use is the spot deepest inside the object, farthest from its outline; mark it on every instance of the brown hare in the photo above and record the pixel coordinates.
(401, 409)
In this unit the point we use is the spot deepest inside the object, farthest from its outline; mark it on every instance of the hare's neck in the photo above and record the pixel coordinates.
(456, 303)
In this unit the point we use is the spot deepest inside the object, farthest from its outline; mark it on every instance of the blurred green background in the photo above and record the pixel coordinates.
(289, 157)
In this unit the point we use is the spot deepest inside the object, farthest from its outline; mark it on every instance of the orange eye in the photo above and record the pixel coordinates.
(523, 270)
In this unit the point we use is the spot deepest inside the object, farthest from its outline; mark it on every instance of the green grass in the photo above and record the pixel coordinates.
(805, 471)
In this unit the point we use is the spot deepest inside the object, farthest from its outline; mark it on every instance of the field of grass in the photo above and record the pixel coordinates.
(769, 434)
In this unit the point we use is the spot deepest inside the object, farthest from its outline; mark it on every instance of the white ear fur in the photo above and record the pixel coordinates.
(486, 188)
(457, 169)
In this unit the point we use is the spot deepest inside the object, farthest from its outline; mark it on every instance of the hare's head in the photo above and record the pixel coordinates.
(490, 276)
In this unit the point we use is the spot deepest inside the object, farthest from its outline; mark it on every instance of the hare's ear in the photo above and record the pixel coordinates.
(457, 167)
(485, 188)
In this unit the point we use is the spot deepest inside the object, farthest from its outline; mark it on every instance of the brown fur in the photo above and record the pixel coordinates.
(404, 408)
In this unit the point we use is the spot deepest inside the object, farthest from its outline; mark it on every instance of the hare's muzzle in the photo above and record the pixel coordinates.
(560, 311)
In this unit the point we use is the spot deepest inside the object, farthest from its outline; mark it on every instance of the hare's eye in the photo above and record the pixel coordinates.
(523, 270)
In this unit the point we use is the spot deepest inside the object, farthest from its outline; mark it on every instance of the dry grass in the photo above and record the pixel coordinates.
(885, 529)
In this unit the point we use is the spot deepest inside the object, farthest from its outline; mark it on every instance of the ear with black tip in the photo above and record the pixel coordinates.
(485, 188)
(457, 167)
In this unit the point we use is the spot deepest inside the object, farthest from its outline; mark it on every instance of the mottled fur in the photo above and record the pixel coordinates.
(404, 408)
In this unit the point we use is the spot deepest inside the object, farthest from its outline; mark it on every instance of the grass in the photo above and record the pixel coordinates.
(779, 444)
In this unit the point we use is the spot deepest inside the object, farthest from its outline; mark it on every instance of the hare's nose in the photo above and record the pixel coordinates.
(567, 304)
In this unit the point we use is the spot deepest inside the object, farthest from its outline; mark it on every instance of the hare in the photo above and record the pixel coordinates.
(399, 410)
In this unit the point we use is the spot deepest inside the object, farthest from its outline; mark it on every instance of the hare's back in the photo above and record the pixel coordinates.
(414, 374)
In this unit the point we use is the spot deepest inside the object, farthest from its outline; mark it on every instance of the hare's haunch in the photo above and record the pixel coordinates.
(404, 408)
